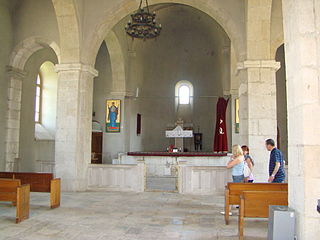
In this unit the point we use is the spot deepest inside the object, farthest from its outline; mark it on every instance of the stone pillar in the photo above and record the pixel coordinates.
(302, 50)
(6, 42)
(74, 117)
(258, 115)
(257, 91)
(15, 77)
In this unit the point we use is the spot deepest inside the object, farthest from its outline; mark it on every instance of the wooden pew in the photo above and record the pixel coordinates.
(39, 182)
(234, 190)
(255, 204)
(11, 190)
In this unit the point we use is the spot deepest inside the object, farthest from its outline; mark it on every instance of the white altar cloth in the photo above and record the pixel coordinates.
(178, 132)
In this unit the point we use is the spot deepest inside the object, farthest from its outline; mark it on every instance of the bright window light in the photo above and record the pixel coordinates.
(184, 95)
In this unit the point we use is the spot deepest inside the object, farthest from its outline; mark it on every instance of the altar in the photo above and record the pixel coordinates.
(189, 172)
(179, 134)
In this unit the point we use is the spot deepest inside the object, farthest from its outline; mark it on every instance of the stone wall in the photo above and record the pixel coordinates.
(302, 47)
(6, 38)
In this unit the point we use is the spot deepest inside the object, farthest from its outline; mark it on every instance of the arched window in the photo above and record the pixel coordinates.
(45, 102)
(38, 100)
(184, 92)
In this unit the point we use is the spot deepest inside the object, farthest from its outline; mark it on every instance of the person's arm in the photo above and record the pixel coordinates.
(249, 162)
(276, 167)
(233, 162)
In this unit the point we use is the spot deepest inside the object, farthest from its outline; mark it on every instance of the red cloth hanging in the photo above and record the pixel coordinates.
(220, 137)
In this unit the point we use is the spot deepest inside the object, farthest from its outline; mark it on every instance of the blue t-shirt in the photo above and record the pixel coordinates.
(276, 156)
(237, 170)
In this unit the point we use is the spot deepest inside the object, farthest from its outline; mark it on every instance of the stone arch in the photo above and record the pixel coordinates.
(117, 63)
(276, 45)
(276, 27)
(27, 47)
(16, 73)
(67, 16)
(219, 14)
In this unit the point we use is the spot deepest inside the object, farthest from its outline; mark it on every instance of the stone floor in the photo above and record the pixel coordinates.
(126, 216)
(164, 184)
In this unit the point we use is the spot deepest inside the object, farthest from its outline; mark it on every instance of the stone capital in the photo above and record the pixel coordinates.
(247, 64)
(65, 67)
(16, 72)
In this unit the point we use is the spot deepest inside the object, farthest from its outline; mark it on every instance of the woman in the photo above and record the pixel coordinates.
(237, 164)
(248, 164)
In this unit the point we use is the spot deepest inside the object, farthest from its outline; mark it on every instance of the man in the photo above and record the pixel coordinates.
(276, 163)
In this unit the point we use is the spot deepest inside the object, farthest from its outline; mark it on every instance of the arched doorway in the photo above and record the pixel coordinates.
(191, 47)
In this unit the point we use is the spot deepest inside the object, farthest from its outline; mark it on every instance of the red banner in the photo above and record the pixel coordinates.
(220, 137)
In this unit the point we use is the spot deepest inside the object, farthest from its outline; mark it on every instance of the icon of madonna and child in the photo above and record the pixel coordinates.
(113, 116)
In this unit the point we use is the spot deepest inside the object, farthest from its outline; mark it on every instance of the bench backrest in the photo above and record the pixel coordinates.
(256, 203)
(39, 182)
(8, 189)
(235, 189)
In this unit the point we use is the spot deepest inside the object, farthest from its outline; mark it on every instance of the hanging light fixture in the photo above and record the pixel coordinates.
(143, 24)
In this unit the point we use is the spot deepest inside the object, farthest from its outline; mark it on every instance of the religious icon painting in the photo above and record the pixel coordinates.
(113, 115)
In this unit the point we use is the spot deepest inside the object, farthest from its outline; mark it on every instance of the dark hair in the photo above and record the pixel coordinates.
(270, 142)
(245, 148)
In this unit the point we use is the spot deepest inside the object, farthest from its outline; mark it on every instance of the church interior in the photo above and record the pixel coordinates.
(123, 115)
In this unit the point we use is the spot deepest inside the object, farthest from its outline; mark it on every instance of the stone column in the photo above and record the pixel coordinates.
(257, 89)
(74, 117)
(15, 77)
(302, 50)
(258, 116)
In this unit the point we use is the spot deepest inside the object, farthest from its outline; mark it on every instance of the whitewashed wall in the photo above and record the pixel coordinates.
(111, 177)
(203, 180)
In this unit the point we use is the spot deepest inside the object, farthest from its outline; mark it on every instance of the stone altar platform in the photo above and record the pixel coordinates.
(163, 163)
(200, 173)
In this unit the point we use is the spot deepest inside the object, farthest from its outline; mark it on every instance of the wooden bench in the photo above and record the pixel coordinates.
(11, 190)
(234, 190)
(255, 204)
(39, 182)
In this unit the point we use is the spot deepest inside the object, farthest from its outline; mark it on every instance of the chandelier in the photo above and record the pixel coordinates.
(143, 24)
